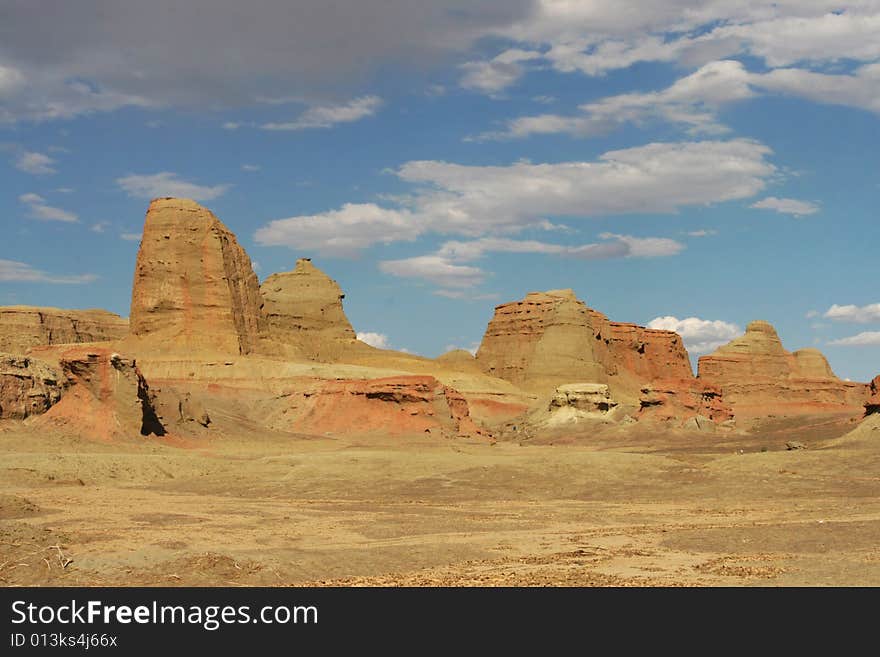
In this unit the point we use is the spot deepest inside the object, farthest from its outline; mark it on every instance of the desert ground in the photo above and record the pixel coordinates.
(279, 509)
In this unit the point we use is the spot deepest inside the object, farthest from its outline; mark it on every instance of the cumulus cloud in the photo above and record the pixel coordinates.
(498, 73)
(868, 338)
(478, 201)
(355, 226)
(434, 268)
(378, 340)
(700, 336)
(855, 314)
(327, 116)
(38, 164)
(131, 237)
(657, 177)
(594, 38)
(787, 206)
(165, 183)
(13, 271)
(39, 209)
(693, 101)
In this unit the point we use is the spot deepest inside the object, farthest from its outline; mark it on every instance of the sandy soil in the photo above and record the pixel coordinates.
(277, 509)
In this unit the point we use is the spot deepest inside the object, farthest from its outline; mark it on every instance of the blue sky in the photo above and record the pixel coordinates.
(688, 165)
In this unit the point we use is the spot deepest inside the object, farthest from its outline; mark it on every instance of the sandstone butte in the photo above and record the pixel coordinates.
(757, 376)
(194, 286)
(211, 351)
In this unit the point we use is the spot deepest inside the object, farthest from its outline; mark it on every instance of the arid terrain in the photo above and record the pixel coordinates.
(232, 432)
(263, 509)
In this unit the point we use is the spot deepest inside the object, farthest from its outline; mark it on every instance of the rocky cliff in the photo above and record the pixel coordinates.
(105, 397)
(758, 377)
(194, 287)
(23, 327)
(27, 387)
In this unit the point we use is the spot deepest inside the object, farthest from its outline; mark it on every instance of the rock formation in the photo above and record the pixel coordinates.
(27, 387)
(759, 377)
(194, 287)
(106, 397)
(23, 327)
(546, 339)
(650, 354)
(303, 308)
(553, 338)
(393, 406)
(576, 402)
(873, 404)
(688, 403)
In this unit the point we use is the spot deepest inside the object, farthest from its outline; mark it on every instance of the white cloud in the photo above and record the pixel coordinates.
(477, 201)
(656, 178)
(703, 232)
(34, 163)
(856, 314)
(436, 269)
(250, 167)
(326, 116)
(787, 206)
(692, 101)
(594, 38)
(12, 271)
(860, 89)
(378, 340)
(99, 226)
(131, 237)
(232, 125)
(868, 338)
(353, 227)
(39, 209)
(497, 74)
(165, 183)
(616, 246)
(700, 336)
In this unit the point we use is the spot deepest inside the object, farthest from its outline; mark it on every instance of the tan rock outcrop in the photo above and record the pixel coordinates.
(758, 377)
(194, 287)
(547, 339)
(303, 309)
(391, 406)
(106, 397)
(23, 327)
(27, 387)
(552, 338)
(575, 403)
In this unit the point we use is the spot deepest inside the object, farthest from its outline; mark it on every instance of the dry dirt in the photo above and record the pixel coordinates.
(259, 508)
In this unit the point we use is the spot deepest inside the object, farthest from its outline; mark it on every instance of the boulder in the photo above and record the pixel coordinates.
(194, 287)
(27, 387)
(23, 327)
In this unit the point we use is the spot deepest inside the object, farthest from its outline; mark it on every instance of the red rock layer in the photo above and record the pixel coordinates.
(758, 377)
(678, 400)
(194, 287)
(873, 403)
(395, 406)
(107, 397)
(650, 354)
